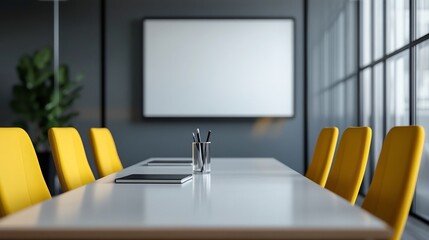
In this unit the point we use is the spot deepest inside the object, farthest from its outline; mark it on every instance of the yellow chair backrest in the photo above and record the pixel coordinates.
(69, 157)
(322, 156)
(392, 188)
(349, 166)
(103, 146)
(21, 180)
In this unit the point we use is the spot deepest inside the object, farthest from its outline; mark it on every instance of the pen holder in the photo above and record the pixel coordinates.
(201, 157)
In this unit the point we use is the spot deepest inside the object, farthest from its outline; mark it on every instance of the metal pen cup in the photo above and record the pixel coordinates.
(201, 157)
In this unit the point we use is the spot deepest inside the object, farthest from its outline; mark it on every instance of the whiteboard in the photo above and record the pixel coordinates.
(218, 67)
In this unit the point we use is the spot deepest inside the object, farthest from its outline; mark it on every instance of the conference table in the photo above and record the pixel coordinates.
(242, 198)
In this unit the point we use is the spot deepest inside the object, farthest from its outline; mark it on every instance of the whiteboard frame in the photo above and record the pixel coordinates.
(172, 116)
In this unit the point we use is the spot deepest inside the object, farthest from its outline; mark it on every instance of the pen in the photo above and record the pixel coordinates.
(198, 135)
(193, 137)
(208, 136)
(200, 149)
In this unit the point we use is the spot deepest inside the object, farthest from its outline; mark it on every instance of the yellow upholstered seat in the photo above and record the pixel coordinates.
(349, 166)
(70, 158)
(322, 156)
(104, 150)
(392, 188)
(21, 180)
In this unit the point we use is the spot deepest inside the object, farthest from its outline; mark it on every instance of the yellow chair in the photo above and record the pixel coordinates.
(392, 188)
(349, 166)
(69, 157)
(104, 150)
(21, 180)
(322, 156)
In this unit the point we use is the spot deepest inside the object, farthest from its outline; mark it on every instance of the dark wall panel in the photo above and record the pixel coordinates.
(27, 25)
(139, 138)
(80, 49)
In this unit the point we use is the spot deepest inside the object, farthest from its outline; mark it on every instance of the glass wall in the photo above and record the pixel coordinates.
(422, 18)
(378, 29)
(378, 129)
(367, 113)
(366, 97)
(398, 90)
(397, 24)
(332, 66)
(366, 31)
(422, 118)
(396, 75)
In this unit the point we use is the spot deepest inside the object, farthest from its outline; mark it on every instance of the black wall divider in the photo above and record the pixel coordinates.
(103, 62)
(306, 155)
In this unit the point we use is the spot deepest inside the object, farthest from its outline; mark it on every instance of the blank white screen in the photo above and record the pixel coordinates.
(218, 68)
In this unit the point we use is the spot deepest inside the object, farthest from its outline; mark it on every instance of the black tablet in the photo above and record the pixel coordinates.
(170, 163)
(154, 178)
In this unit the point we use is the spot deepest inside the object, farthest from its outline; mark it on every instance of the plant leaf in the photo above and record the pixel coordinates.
(26, 71)
(42, 58)
(43, 77)
(53, 100)
(36, 100)
(63, 73)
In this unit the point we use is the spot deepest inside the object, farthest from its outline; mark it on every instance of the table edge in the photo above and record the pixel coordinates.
(188, 233)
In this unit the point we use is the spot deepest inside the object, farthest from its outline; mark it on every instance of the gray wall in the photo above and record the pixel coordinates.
(80, 48)
(139, 138)
(26, 25)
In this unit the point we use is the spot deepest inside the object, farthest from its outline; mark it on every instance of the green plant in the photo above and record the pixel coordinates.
(37, 101)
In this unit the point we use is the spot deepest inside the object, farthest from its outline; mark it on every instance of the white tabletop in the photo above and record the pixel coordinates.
(257, 198)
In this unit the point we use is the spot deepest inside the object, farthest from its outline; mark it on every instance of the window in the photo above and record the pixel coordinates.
(351, 37)
(422, 118)
(397, 23)
(398, 89)
(366, 99)
(366, 32)
(372, 114)
(386, 54)
(378, 29)
(378, 113)
(422, 18)
(351, 100)
(333, 64)
(388, 75)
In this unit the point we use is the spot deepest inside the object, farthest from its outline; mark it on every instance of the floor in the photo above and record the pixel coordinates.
(415, 230)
